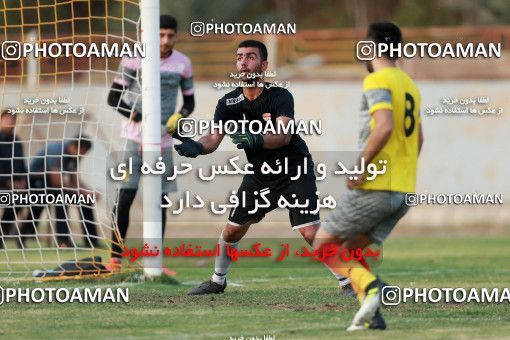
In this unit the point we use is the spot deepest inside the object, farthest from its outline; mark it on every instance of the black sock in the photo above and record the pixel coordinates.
(163, 219)
(121, 215)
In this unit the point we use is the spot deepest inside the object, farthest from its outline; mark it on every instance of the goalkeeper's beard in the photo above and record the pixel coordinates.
(252, 80)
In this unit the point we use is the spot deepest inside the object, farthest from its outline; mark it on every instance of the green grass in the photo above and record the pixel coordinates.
(290, 302)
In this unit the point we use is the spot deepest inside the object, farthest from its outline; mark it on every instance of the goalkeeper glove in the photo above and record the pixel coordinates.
(188, 147)
(171, 123)
(247, 140)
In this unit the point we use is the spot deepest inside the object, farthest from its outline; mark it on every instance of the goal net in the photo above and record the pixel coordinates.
(59, 137)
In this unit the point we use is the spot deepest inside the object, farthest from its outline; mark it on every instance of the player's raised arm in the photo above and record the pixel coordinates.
(119, 86)
(207, 143)
(188, 98)
(188, 105)
(187, 108)
(115, 100)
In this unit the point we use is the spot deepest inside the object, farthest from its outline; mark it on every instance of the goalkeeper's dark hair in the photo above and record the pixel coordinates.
(385, 33)
(82, 141)
(167, 21)
(257, 44)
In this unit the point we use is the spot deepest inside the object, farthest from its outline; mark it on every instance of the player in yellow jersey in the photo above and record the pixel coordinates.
(369, 210)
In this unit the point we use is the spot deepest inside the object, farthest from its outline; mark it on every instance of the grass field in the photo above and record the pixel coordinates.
(288, 303)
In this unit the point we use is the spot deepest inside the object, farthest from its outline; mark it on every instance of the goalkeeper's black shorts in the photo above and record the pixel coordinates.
(301, 189)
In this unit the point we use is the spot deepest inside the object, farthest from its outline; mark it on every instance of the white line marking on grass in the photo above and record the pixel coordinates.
(190, 283)
(437, 271)
(332, 326)
(194, 283)
(120, 284)
(424, 273)
(260, 280)
(239, 283)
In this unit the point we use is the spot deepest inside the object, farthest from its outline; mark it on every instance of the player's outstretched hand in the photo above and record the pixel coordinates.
(247, 140)
(188, 147)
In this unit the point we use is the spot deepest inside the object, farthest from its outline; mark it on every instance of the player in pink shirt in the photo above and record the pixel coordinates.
(125, 96)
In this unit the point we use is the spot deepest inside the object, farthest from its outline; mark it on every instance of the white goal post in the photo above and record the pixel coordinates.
(151, 127)
(53, 102)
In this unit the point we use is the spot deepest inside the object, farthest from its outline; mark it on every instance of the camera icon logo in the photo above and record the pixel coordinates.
(411, 199)
(365, 50)
(187, 127)
(197, 29)
(391, 296)
(5, 199)
(11, 50)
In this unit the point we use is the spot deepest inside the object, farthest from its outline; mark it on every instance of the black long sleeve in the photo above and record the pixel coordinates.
(18, 163)
(188, 105)
(115, 100)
